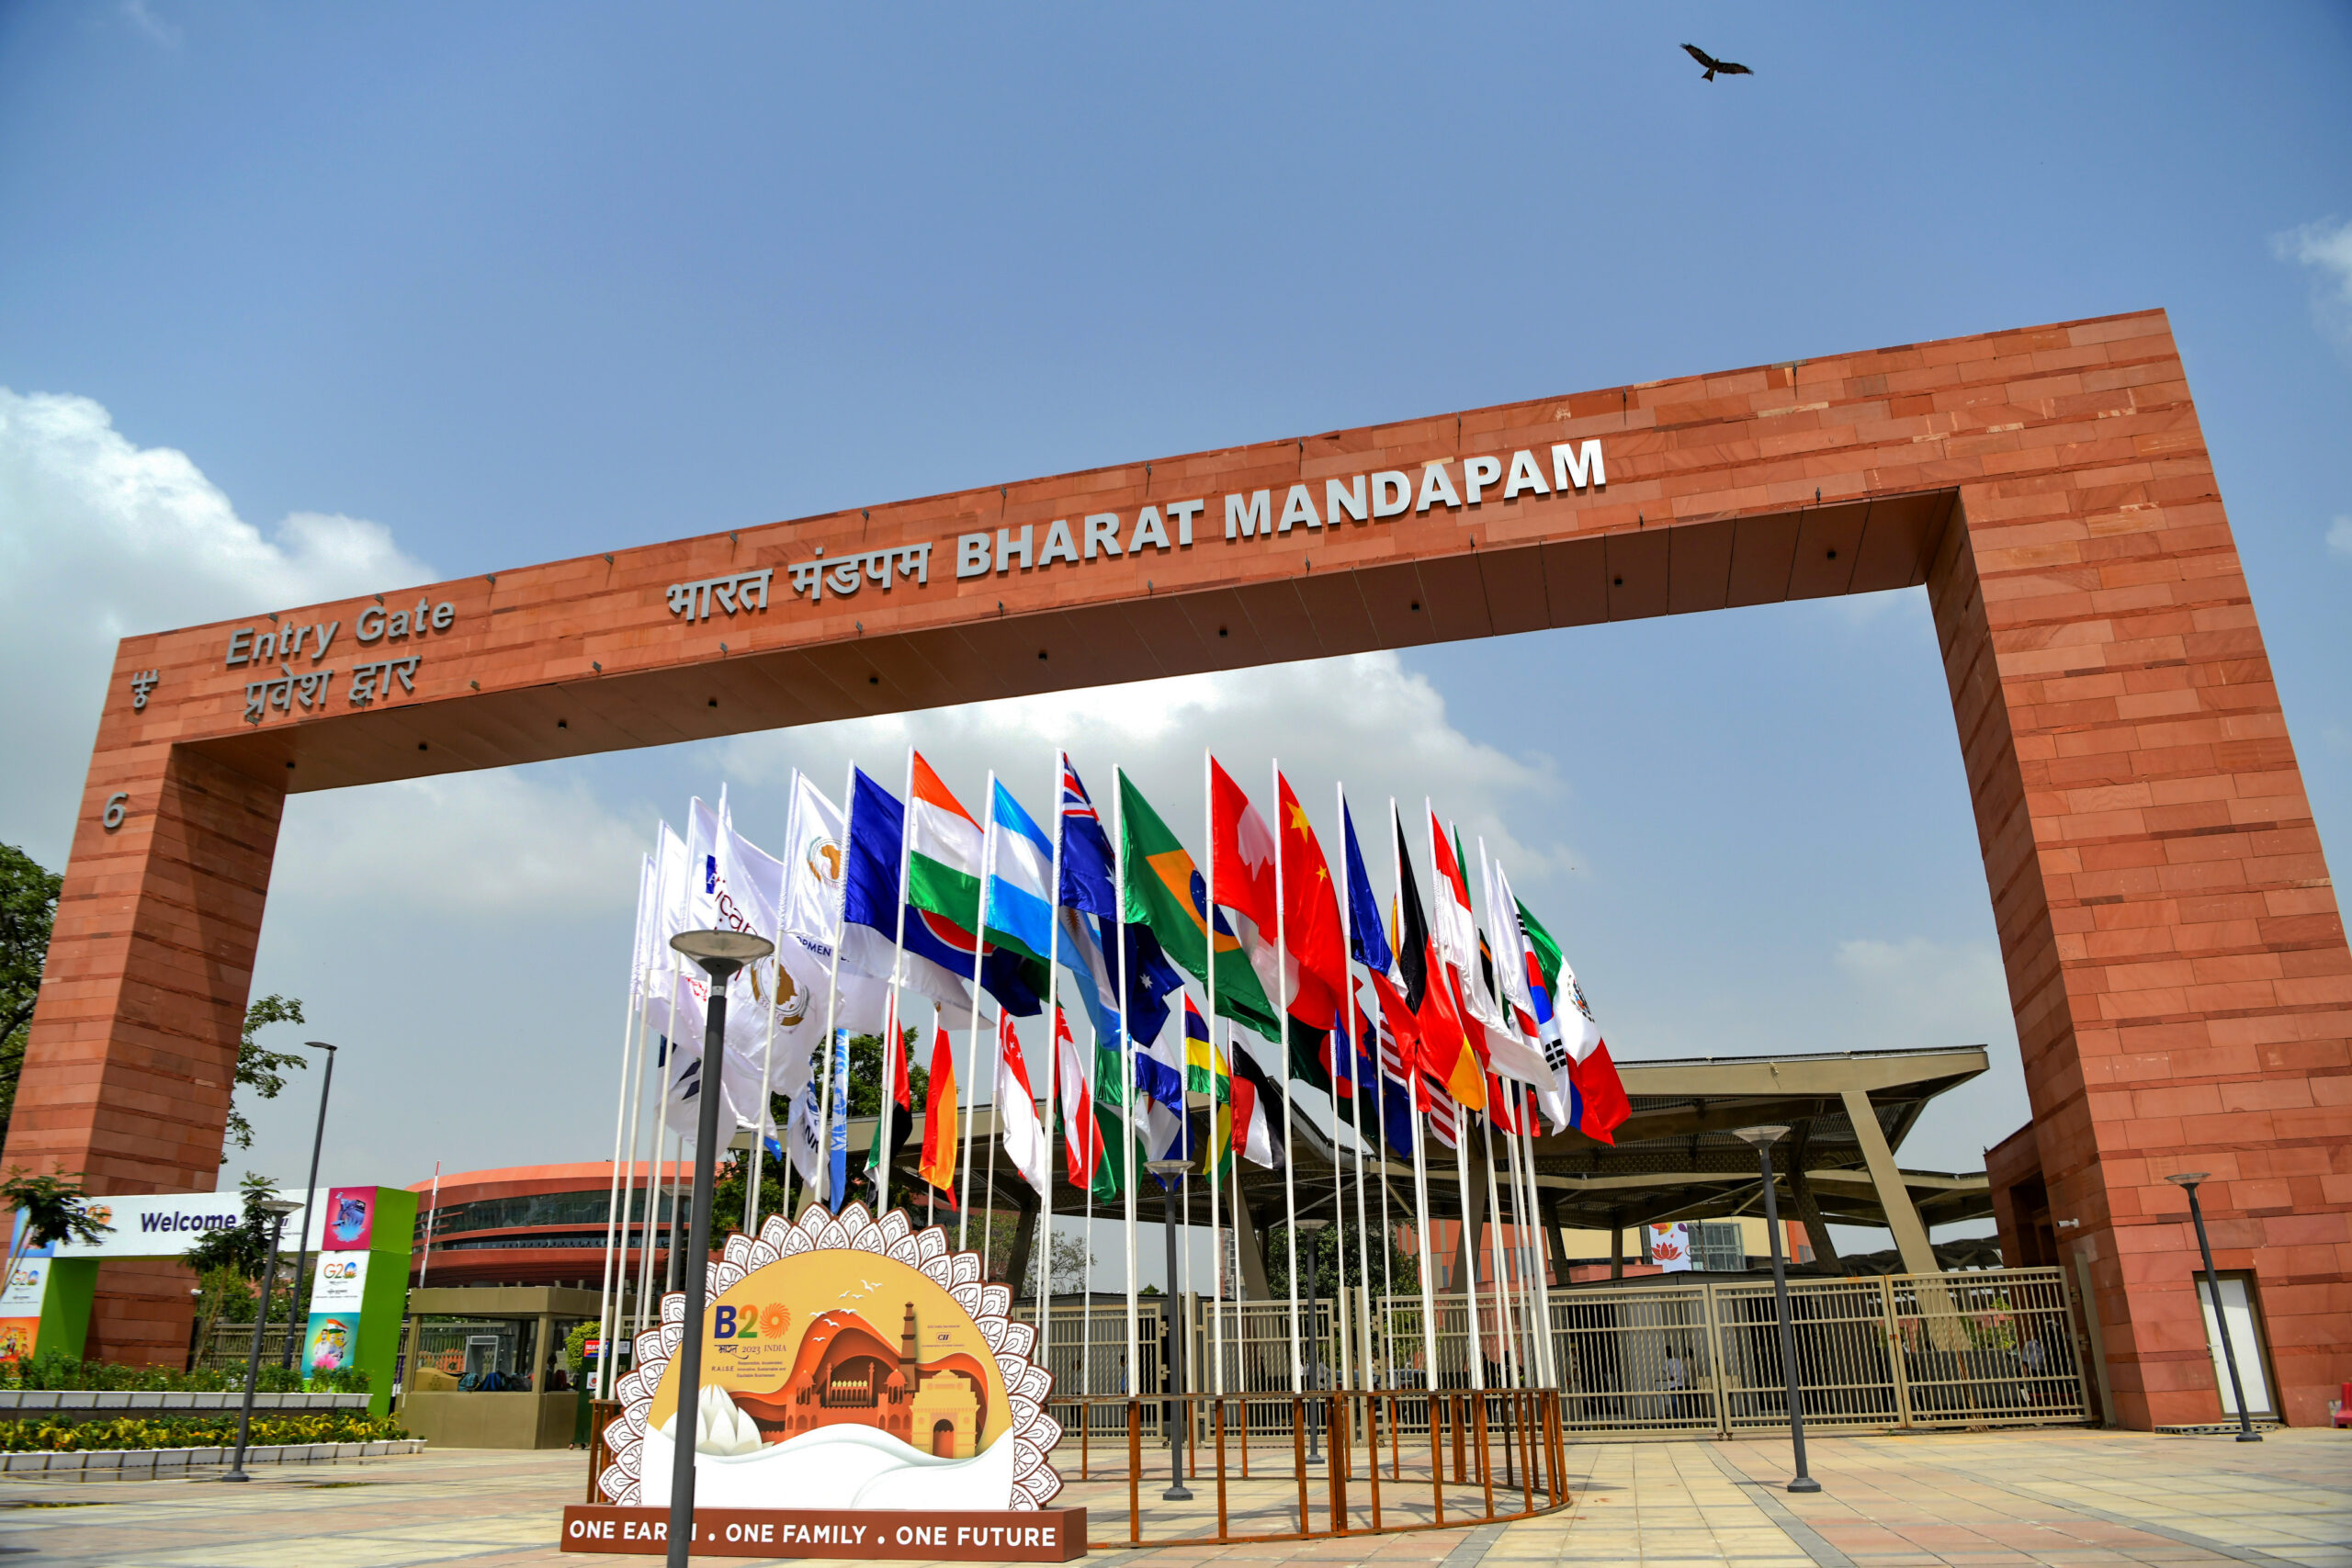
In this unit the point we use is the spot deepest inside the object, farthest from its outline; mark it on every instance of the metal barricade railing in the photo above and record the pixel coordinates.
(1692, 1356)
(1335, 1462)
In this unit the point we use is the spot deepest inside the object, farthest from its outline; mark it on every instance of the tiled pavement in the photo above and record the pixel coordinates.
(2082, 1499)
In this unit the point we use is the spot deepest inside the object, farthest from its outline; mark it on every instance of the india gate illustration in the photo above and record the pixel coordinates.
(847, 1375)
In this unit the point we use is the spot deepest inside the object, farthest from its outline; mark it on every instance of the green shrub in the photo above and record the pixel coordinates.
(206, 1431)
(55, 1369)
(341, 1379)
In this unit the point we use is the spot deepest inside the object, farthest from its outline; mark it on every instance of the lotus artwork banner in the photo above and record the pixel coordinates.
(337, 1293)
(857, 1363)
(1670, 1247)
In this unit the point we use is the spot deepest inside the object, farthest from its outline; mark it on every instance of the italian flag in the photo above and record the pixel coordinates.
(944, 852)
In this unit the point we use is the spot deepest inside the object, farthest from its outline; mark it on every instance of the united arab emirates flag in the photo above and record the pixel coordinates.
(1166, 892)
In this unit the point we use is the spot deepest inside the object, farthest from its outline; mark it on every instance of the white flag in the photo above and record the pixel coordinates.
(672, 905)
(811, 919)
(1512, 1049)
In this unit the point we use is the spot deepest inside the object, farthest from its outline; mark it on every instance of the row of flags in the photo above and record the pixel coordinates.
(898, 897)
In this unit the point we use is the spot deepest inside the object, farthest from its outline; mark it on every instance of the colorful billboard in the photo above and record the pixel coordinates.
(350, 1219)
(332, 1341)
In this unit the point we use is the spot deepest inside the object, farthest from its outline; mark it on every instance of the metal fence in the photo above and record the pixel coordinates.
(1698, 1357)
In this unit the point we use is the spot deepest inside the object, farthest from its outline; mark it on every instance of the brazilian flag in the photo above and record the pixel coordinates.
(1166, 892)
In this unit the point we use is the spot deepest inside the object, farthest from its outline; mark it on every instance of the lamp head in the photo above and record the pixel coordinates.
(732, 949)
(281, 1207)
(1311, 1226)
(1169, 1167)
(318, 1046)
(1762, 1136)
(2186, 1177)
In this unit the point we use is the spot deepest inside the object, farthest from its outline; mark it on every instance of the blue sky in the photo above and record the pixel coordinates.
(300, 301)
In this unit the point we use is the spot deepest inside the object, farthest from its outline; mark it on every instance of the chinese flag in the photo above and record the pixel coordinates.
(1310, 916)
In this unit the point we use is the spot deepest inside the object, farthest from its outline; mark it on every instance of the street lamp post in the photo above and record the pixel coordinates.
(2188, 1183)
(1764, 1138)
(302, 1235)
(1179, 1419)
(720, 953)
(278, 1209)
(1311, 1229)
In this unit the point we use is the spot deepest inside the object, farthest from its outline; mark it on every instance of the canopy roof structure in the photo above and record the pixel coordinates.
(1678, 1157)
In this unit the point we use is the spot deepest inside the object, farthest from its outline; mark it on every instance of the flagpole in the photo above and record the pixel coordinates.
(1052, 1077)
(626, 1276)
(1240, 1318)
(1282, 1053)
(757, 1163)
(627, 1200)
(1475, 1350)
(972, 1032)
(1355, 1071)
(1506, 1321)
(647, 1306)
(1522, 1304)
(824, 1129)
(1534, 1262)
(1421, 1162)
(648, 1223)
(1506, 1328)
(996, 1116)
(1127, 1085)
(621, 1106)
(1217, 1231)
(1511, 1271)
(1388, 1240)
(1208, 933)
(897, 979)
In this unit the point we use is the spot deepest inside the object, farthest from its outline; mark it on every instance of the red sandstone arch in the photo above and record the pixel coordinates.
(2175, 956)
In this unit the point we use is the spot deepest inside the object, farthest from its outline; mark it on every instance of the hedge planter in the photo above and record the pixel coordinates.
(143, 1464)
(124, 1401)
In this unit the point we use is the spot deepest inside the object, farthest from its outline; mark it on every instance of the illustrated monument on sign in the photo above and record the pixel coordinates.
(804, 1397)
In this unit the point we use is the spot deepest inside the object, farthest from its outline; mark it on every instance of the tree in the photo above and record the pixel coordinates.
(1332, 1249)
(259, 1069)
(49, 1209)
(238, 1252)
(27, 914)
(1073, 1263)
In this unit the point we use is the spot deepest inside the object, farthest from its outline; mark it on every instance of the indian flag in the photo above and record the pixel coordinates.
(944, 852)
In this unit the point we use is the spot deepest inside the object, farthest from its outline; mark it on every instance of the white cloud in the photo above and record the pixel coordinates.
(2326, 248)
(505, 843)
(100, 539)
(2339, 537)
(1363, 718)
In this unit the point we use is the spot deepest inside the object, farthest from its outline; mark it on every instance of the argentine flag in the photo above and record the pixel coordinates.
(1020, 874)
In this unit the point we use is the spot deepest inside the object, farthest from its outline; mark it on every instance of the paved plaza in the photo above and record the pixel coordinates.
(2086, 1499)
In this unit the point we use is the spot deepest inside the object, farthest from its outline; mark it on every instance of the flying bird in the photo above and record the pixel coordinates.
(1728, 67)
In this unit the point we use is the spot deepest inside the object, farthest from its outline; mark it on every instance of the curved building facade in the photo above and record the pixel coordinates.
(537, 1224)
